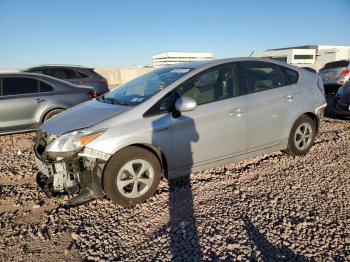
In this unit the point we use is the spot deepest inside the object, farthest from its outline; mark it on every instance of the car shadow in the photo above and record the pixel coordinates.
(268, 251)
(183, 235)
(329, 111)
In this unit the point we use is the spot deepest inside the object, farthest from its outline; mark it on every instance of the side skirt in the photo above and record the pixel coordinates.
(184, 172)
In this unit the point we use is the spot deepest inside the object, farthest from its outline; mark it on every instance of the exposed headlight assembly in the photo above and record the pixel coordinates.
(71, 143)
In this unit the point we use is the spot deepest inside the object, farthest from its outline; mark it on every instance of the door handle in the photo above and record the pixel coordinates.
(288, 98)
(40, 100)
(236, 112)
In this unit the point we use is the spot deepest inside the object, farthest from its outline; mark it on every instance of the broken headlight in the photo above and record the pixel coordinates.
(71, 143)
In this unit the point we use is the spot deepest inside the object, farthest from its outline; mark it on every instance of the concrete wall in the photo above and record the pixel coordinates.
(120, 75)
(8, 70)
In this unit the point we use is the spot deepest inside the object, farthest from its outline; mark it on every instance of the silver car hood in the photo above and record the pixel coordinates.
(82, 116)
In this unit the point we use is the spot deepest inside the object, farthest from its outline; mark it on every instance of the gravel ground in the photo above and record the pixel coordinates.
(270, 208)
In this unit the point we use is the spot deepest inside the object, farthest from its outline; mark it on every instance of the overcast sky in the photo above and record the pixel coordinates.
(118, 33)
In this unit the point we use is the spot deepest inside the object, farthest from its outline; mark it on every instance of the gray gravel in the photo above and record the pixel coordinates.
(270, 208)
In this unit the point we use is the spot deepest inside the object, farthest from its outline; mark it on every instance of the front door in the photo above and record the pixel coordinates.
(216, 129)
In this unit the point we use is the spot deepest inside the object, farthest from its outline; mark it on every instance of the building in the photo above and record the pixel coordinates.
(315, 56)
(170, 58)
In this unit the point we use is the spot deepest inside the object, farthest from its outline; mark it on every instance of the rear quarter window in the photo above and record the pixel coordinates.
(81, 75)
(44, 87)
(336, 64)
(290, 76)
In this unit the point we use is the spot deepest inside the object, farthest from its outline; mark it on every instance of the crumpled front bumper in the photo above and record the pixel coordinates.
(79, 176)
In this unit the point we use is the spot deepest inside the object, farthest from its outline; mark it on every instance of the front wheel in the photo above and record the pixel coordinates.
(302, 136)
(131, 176)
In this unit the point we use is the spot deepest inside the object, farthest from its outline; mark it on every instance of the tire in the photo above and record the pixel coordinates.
(125, 188)
(302, 136)
(52, 113)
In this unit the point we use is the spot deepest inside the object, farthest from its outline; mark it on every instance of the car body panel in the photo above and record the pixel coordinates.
(268, 116)
(212, 131)
(89, 114)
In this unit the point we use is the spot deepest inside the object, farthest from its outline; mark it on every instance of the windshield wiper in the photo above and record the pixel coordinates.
(120, 102)
(105, 100)
(114, 101)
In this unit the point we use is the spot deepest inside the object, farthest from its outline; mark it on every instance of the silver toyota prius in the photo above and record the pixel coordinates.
(174, 121)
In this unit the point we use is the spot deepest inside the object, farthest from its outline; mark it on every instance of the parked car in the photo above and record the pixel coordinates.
(341, 106)
(335, 74)
(75, 74)
(27, 100)
(174, 121)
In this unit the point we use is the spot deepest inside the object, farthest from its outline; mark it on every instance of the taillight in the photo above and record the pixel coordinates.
(345, 72)
(103, 80)
(91, 94)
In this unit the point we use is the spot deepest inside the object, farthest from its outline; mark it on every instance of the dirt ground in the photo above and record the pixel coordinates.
(270, 208)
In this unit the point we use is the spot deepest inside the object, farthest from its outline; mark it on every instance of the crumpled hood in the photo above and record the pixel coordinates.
(82, 116)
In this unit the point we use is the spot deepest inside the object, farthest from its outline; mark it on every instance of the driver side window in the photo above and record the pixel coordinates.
(211, 86)
(207, 87)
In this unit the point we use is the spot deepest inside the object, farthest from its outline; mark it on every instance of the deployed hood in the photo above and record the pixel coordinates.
(82, 116)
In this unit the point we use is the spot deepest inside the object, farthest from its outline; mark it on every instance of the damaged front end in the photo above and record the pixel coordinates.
(75, 170)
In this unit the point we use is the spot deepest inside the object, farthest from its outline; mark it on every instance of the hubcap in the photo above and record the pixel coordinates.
(135, 178)
(303, 136)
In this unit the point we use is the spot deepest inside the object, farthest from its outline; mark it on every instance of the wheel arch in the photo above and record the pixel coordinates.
(314, 118)
(44, 114)
(153, 150)
(309, 114)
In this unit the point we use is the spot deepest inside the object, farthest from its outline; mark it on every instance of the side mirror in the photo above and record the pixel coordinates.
(185, 104)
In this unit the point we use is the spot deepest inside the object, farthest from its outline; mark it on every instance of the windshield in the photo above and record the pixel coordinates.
(142, 88)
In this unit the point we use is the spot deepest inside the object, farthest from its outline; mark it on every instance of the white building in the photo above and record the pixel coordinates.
(170, 58)
(315, 56)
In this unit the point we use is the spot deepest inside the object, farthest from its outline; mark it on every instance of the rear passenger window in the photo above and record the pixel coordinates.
(81, 75)
(44, 87)
(290, 76)
(19, 85)
(63, 73)
(256, 76)
(341, 63)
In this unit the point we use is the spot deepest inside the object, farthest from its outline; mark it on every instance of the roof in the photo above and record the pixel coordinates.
(61, 65)
(34, 75)
(209, 63)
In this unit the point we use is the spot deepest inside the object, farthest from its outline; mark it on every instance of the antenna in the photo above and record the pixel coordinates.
(251, 54)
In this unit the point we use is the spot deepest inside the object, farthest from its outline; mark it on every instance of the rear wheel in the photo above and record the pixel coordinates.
(302, 136)
(52, 114)
(131, 176)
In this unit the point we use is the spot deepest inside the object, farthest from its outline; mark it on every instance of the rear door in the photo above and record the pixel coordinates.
(20, 103)
(268, 101)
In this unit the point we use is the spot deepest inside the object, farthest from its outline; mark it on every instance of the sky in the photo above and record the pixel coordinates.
(105, 33)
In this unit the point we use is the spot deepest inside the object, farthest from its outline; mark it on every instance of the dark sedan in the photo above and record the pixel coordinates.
(27, 100)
